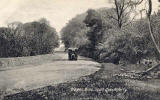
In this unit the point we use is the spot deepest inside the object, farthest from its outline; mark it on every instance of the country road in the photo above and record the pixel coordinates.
(58, 71)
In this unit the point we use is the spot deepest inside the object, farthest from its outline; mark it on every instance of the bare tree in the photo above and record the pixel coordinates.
(123, 9)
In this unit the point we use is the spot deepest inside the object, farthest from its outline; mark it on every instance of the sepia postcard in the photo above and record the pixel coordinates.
(79, 49)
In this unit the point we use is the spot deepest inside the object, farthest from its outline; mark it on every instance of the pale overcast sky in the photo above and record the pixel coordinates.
(58, 12)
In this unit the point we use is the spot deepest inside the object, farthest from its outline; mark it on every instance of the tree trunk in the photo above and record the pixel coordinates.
(149, 24)
(151, 33)
(152, 37)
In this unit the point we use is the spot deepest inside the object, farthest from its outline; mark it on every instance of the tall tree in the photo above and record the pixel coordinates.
(123, 10)
(94, 21)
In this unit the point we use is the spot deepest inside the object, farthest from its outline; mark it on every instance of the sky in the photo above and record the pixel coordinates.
(57, 12)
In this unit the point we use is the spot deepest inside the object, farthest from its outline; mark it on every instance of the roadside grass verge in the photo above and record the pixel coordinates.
(19, 62)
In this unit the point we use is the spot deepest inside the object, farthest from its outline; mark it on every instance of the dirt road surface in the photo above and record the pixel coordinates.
(58, 71)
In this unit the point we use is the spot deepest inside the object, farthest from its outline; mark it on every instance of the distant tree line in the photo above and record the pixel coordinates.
(27, 39)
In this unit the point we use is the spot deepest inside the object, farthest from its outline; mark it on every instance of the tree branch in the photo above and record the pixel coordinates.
(112, 17)
(130, 21)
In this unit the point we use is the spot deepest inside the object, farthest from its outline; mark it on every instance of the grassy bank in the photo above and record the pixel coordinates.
(102, 85)
(18, 62)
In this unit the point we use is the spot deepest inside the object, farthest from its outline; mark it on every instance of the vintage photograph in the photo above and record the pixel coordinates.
(79, 49)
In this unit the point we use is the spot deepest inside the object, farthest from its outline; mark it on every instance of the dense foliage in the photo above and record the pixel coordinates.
(74, 34)
(109, 43)
(27, 39)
